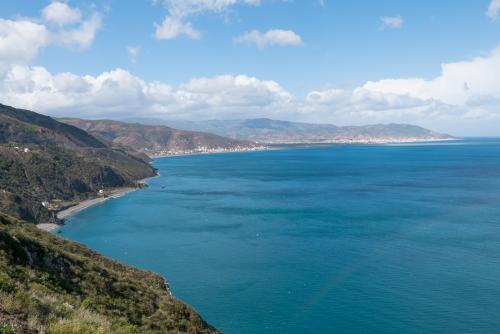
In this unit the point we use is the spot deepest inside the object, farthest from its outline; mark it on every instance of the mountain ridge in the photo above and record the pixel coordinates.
(158, 139)
(43, 161)
(269, 131)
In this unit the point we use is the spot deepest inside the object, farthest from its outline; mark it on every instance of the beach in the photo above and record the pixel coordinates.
(115, 193)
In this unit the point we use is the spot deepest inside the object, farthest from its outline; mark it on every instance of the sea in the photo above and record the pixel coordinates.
(329, 239)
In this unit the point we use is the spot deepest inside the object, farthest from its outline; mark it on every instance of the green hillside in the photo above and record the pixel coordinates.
(54, 286)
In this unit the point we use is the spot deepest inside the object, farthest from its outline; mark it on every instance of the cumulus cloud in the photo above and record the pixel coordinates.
(120, 92)
(274, 37)
(391, 22)
(176, 22)
(458, 83)
(22, 39)
(465, 92)
(493, 9)
(61, 14)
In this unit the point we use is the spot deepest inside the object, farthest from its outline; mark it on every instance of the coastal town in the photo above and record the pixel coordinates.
(203, 150)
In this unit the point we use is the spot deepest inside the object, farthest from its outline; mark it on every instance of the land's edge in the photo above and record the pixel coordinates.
(284, 145)
(118, 192)
(85, 204)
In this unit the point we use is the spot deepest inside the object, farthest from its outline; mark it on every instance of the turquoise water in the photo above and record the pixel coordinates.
(345, 239)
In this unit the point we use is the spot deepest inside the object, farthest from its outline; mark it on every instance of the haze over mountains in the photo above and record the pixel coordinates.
(268, 131)
(158, 139)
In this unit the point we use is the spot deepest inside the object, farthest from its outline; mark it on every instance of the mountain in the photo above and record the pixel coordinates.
(45, 164)
(55, 286)
(268, 131)
(157, 139)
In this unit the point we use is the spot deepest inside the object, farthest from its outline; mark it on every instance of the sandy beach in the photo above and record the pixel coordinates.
(91, 202)
(115, 193)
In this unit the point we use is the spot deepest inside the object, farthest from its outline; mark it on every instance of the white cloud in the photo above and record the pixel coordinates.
(61, 14)
(80, 37)
(20, 41)
(493, 9)
(392, 22)
(458, 83)
(120, 92)
(184, 8)
(176, 22)
(172, 27)
(23, 38)
(133, 52)
(466, 94)
(276, 37)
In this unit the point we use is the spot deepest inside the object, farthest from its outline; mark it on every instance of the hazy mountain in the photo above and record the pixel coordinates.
(156, 139)
(43, 160)
(265, 130)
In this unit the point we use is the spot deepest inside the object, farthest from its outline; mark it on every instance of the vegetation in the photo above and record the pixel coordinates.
(54, 286)
(51, 285)
(42, 160)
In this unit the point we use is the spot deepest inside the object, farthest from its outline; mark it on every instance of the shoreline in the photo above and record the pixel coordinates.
(118, 192)
(278, 146)
(155, 156)
(85, 204)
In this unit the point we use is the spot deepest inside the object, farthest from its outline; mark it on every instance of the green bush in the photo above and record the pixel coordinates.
(72, 289)
(6, 284)
(7, 328)
(65, 327)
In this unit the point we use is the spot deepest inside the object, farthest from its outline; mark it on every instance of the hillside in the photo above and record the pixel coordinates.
(54, 286)
(46, 164)
(157, 139)
(269, 131)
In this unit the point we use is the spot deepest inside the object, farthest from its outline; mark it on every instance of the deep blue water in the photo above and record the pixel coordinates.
(345, 239)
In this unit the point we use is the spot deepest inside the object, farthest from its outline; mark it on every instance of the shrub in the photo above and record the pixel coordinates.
(6, 284)
(68, 327)
(7, 328)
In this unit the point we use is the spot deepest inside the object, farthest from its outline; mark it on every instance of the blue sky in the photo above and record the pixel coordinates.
(313, 66)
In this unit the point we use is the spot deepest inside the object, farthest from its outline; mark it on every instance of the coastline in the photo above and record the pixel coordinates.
(287, 145)
(85, 204)
(187, 153)
(118, 192)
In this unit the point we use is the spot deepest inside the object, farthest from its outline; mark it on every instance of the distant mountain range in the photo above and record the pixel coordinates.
(158, 139)
(268, 131)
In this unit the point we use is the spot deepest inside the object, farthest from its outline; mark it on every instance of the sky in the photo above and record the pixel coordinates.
(425, 62)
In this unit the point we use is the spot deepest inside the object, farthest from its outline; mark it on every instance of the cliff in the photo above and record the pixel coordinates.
(54, 286)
